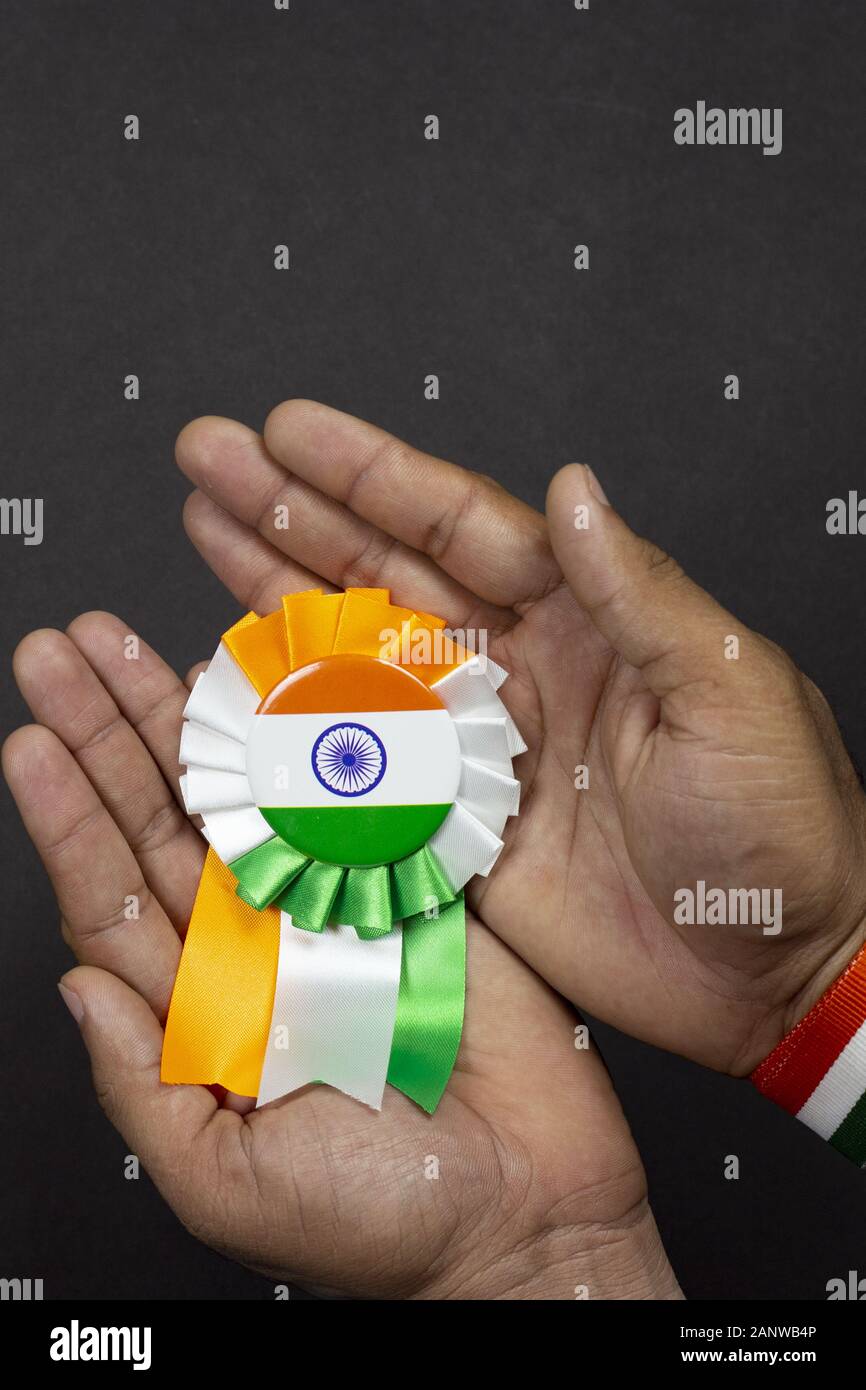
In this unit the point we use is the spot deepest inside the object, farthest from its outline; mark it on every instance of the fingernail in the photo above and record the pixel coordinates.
(595, 486)
(73, 1002)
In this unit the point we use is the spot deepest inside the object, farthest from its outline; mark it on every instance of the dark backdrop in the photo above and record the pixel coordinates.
(409, 257)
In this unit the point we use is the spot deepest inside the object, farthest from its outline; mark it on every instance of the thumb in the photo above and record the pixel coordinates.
(638, 598)
(123, 1037)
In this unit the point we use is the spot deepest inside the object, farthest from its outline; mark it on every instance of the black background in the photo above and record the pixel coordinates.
(411, 257)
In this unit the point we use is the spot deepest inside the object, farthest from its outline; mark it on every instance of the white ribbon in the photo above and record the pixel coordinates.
(485, 741)
(223, 699)
(234, 832)
(470, 691)
(334, 1010)
(201, 747)
(209, 790)
(464, 846)
(487, 795)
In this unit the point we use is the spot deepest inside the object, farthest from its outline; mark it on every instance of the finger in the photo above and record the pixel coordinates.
(240, 1105)
(113, 919)
(147, 691)
(194, 672)
(477, 532)
(230, 463)
(252, 570)
(164, 1126)
(65, 695)
(651, 613)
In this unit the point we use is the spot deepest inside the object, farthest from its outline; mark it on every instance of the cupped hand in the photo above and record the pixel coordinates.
(524, 1184)
(662, 753)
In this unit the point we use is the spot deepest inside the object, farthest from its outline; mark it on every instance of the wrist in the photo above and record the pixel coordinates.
(825, 977)
(818, 1071)
(821, 937)
(623, 1259)
(834, 926)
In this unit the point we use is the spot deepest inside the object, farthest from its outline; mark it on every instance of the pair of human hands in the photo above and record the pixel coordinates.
(526, 1181)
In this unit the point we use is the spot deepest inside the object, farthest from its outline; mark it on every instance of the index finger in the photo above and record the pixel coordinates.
(489, 541)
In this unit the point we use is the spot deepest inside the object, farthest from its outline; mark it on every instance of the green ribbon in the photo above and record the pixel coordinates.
(414, 891)
(314, 893)
(430, 1005)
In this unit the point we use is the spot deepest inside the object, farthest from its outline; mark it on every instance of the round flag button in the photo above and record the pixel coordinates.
(353, 761)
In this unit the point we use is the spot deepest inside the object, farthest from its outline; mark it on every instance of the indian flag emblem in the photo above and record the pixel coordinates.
(356, 786)
(314, 729)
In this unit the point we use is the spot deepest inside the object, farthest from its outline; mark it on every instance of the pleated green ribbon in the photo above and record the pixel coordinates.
(314, 893)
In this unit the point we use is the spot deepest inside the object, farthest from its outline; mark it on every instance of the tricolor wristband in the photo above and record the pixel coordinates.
(818, 1071)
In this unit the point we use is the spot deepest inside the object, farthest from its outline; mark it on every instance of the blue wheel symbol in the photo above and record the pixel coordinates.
(349, 759)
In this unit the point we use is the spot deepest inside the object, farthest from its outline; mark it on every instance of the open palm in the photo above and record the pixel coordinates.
(526, 1181)
(704, 761)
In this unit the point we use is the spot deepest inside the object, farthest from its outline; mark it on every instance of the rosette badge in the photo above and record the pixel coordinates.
(351, 764)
